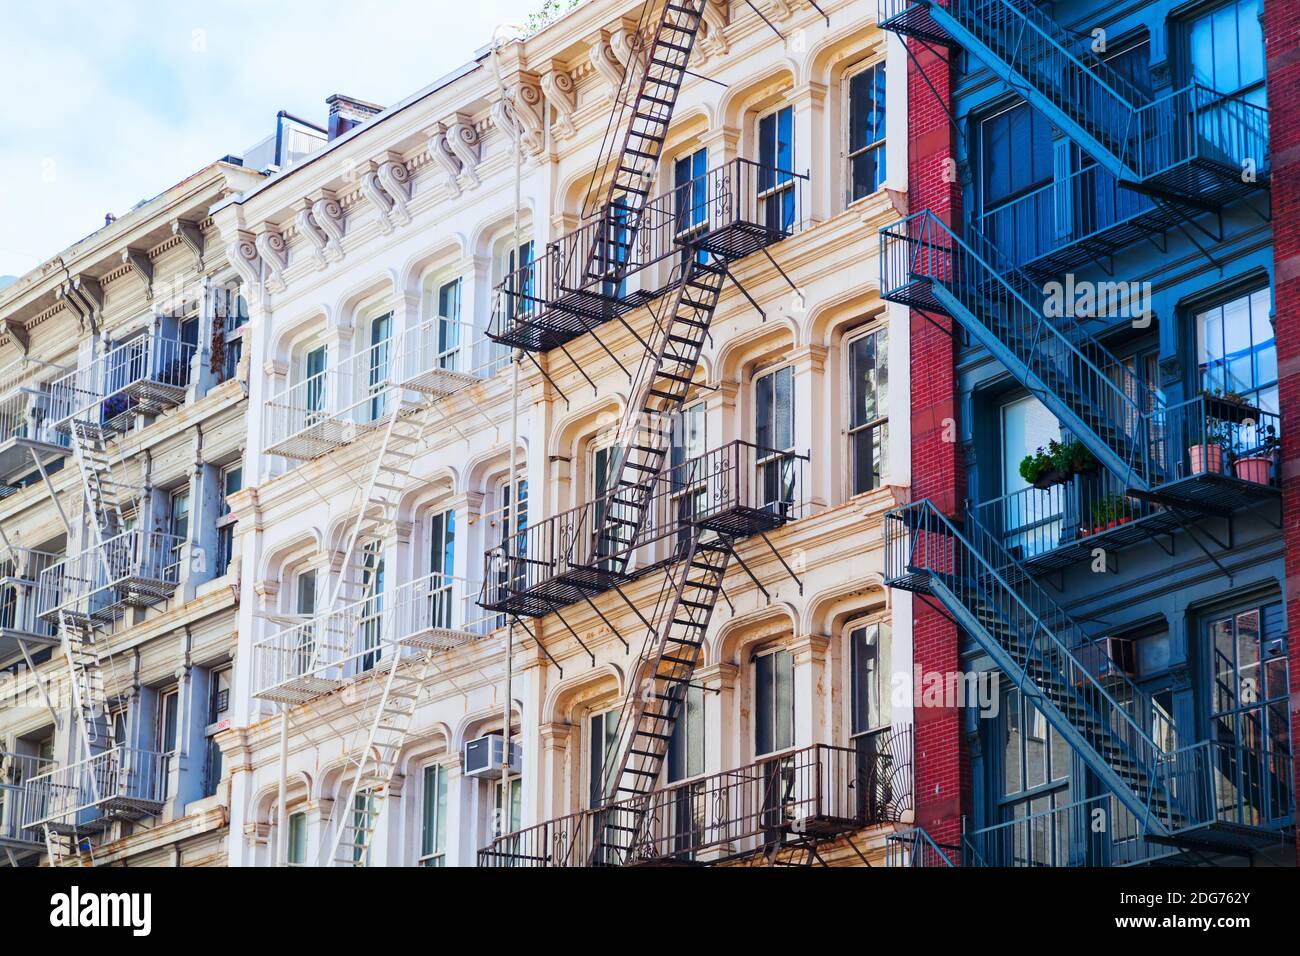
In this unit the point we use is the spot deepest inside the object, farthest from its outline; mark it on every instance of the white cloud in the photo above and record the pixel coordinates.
(108, 104)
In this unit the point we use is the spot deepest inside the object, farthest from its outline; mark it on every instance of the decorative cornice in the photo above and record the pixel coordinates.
(327, 213)
(561, 92)
(308, 229)
(242, 255)
(275, 254)
(396, 180)
(454, 145)
(521, 113)
(191, 235)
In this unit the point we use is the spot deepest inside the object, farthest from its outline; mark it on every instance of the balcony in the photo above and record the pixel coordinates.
(122, 783)
(354, 396)
(132, 569)
(26, 427)
(816, 794)
(736, 491)
(19, 622)
(431, 614)
(15, 771)
(582, 278)
(144, 376)
(1192, 145)
(1227, 799)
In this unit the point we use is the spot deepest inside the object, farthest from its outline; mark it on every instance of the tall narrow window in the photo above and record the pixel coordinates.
(433, 817)
(688, 469)
(691, 185)
(869, 411)
(601, 736)
(773, 702)
(442, 563)
(232, 480)
(776, 170)
(1016, 159)
(372, 612)
(774, 436)
(297, 839)
(314, 382)
(305, 606)
(365, 811)
(449, 325)
(168, 717)
(378, 362)
(1236, 350)
(1227, 50)
(1032, 518)
(870, 716)
(866, 132)
(179, 524)
(218, 711)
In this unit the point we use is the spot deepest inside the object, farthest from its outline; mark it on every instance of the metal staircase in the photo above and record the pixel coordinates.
(1041, 649)
(1096, 397)
(672, 650)
(637, 161)
(1189, 145)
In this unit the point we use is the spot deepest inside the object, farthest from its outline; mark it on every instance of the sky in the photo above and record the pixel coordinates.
(107, 103)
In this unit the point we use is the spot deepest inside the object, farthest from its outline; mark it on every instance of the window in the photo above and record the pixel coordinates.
(218, 708)
(119, 724)
(691, 184)
(365, 812)
(603, 458)
(1249, 737)
(372, 612)
(869, 716)
(297, 839)
(1035, 774)
(519, 287)
(433, 817)
(1236, 350)
(168, 716)
(1031, 518)
(232, 480)
(602, 731)
(230, 315)
(313, 376)
(1227, 50)
(773, 702)
(514, 537)
(449, 325)
(378, 361)
(869, 411)
(866, 132)
(686, 748)
(442, 562)
(776, 169)
(689, 469)
(511, 820)
(1017, 158)
(774, 436)
(305, 607)
(179, 521)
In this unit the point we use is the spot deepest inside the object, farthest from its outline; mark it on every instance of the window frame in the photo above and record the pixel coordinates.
(880, 331)
(433, 852)
(876, 65)
(769, 652)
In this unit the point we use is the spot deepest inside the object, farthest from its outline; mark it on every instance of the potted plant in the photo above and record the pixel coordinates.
(1207, 457)
(1056, 464)
(1256, 465)
(1039, 470)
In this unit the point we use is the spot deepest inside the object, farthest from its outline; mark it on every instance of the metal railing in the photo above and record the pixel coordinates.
(915, 847)
(25, 409)
(727, 212)
(1210, 435)
(819, 792)
(132, 567)
(722, 489)
(119, 781)
(19, 602)
(1031, 639)
(1219, 782)
(1140, 137)
(15, 771)
(144, 375)
(434, 612)
(924, 263)
(355, 395)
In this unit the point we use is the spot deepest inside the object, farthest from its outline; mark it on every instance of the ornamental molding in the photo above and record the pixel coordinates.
(454, 146)
(521, 113)
(243, 256)
(562, 93)
(191, 236)
(138, 261)
(274, 251)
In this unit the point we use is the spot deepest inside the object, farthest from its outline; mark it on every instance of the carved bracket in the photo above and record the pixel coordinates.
(192, 236)
(243, 257)
(561, 93)
(275, 255)
(142, 266)
(454, 145)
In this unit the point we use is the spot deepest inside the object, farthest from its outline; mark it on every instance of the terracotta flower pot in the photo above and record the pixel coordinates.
(1256, 468)
(1206, 459)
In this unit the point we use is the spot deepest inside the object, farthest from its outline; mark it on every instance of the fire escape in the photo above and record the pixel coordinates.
(1158, 162)
(120, 565)
(392, 390)
(679, 517)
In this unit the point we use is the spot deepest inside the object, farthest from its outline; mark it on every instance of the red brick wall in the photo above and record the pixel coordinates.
(1282, 43)
(942, 774)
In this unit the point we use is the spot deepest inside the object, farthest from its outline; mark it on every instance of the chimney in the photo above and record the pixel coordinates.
(346, 112)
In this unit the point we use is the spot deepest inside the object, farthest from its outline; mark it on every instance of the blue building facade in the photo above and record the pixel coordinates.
(1118, 565)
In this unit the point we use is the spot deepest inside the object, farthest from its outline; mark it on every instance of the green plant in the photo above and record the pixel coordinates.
(548, 13)
(1110, 509)
(1059, 460)
(1034, 467)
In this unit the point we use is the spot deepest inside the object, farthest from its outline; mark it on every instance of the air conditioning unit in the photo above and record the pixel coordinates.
(1109, 659)
(483, 757)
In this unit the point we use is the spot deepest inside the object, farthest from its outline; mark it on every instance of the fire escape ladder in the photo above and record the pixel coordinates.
(385, 736)
(1096, 397)
(663, 381)
(658, 687)
(637, 161)
(1042, 651)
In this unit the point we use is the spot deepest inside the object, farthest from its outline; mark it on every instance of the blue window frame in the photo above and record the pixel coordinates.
(776, 169)
(1226, 50)
(691, 183)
